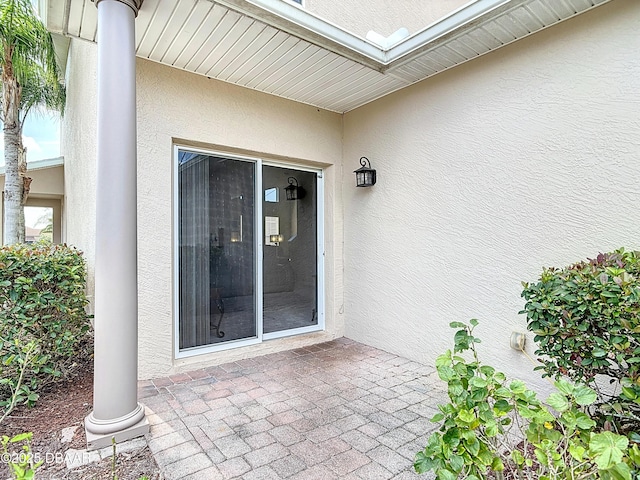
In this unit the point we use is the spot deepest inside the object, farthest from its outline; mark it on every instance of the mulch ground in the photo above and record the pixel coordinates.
(65, 405)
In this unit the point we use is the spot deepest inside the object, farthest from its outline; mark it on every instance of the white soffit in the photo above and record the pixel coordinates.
(278, 48)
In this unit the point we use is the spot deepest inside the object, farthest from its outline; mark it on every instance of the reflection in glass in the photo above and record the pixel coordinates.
(290, 264)
(216, 249)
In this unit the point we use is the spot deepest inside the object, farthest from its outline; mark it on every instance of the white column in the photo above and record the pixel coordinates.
(116, 411)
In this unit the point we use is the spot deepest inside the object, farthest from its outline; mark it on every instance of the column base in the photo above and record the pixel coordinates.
(100, 434)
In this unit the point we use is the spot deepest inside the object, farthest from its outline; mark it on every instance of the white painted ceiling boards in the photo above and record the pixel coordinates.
(277, 47)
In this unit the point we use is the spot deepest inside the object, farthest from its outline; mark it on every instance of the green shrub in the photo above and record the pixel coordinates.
(42, 317)
(586, 320)
(495, 428)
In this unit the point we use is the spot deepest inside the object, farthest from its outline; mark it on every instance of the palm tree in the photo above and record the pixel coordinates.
(30, 77)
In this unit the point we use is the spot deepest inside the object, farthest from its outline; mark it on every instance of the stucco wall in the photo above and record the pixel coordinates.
(46, 183)
(176, 105)
(524, 158)
(79, 150)
(382, 16)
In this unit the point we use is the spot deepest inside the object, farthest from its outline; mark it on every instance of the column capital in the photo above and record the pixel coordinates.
(134, 4)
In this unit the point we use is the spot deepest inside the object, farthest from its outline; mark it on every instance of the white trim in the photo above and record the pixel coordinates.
(456, 19)
(258, 256)
(320, 251)
(259, 250)
(216, 347)
(320, 256)
(291, 332)
(40, 164)
(293, 19)
(298, 18)
(175, 249)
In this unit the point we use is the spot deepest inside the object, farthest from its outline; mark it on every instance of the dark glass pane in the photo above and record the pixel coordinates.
(290, 251)
(216, 249)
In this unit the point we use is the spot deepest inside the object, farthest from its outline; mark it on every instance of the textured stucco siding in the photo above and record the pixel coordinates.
(79, 150)
(527, 157)
(189, 109)
(177, 106)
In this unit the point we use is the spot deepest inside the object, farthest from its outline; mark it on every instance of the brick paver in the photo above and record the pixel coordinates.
(337, 410)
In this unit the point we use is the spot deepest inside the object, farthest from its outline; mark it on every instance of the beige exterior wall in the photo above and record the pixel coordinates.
(524, 158)
(47, 184)
(382, 16)
(79, 150)
(174, 106)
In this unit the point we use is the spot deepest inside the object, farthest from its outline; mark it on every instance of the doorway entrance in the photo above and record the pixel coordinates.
(248, 266)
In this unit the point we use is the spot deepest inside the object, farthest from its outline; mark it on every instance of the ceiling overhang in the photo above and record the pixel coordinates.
(279, 48)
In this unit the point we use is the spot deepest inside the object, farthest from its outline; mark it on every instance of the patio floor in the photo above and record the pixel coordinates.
(337, 410)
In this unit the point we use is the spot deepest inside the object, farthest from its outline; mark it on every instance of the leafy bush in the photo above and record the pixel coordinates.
(586, 320)
(493, 428)
(42, 317)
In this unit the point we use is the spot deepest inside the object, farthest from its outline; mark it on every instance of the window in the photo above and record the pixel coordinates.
(271, 195)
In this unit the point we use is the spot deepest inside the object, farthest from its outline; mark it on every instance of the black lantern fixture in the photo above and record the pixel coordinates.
(294, 192)
(365, 176)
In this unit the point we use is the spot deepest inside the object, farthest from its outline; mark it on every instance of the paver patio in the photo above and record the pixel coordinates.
(338, 410)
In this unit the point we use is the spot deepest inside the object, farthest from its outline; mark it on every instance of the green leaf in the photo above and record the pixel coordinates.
(443, 474)
(444, 359)
(502, 406)
(517, 386)
(438, 417)
(577, 451)
(423, 463)
(599, 352)
(21, 437)
(446, 373)
(479, 382)
(620, 471)
(491, 430)
(517, 457)
(584, 395)
(564, 387)
(497, 465)
(473, 446)
(467, 416)
(583, 422)
(456, 462)
(607, 448)
(558, 402)
(487, 371)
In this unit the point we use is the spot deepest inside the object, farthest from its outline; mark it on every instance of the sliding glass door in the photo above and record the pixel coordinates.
(247, 263)
(290, 249)
(216, 249)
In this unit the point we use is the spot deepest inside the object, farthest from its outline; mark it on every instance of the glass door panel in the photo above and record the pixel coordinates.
(216, 258)
(289, 209)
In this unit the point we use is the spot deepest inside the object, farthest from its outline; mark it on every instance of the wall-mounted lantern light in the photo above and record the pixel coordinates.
(365, 176)
(294, 192)
(276, 239)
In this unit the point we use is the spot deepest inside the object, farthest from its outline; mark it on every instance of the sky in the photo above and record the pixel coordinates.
(41, 136)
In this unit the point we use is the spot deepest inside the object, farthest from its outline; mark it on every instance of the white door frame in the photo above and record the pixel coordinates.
(258, 255)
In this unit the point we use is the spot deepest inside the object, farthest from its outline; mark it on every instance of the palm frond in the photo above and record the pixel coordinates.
(27, 48)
